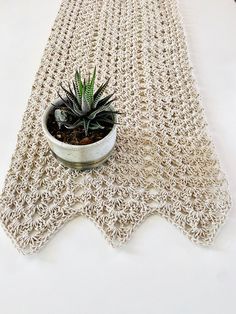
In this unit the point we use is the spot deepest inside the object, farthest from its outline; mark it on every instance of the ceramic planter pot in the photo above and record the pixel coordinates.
(79, 156)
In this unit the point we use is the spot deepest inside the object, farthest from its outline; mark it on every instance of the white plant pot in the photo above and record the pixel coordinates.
(79, 156)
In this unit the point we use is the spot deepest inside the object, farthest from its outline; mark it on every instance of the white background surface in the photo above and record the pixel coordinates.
(159, 270)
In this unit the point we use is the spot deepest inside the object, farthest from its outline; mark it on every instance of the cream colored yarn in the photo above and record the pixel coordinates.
(163, 163)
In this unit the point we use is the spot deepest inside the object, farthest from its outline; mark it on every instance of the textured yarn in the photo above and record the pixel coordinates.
(164, 162)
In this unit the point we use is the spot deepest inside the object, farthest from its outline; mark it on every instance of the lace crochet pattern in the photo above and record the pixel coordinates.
(164, 161)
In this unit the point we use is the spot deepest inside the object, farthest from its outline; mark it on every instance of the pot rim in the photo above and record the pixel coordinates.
(66, 145)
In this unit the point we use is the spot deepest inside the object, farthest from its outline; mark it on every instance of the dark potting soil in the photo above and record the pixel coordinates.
(76, 136)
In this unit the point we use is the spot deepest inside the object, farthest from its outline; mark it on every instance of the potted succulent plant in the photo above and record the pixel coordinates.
(80, 126)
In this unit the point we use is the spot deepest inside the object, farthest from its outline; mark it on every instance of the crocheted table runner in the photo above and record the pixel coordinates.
(164, 161)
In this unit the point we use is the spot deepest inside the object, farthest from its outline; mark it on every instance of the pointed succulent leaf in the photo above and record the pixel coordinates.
(84, 104)
(74, 125)
(68, 93)
(96, 125)
(107, 120)
(112, 111)
(68, 104)
(88, 94)
(93, 114)
(73, 100)
(78, 85)
(71, 92)
(104, 100)
(86, 126)
(73, 95)
(75, 90)
(92, 82)
(99, 92)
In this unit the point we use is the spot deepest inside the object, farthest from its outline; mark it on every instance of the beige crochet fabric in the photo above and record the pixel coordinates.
(163, 163)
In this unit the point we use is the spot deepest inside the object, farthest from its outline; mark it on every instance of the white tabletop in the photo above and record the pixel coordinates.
(159, 270)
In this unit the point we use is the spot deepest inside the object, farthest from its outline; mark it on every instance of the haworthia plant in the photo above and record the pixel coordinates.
(81, 107)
